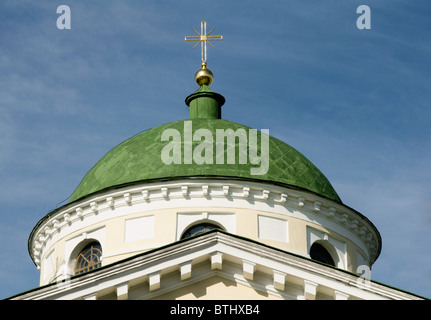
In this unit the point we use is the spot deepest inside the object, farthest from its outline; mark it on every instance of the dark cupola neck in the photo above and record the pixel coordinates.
(204, 103)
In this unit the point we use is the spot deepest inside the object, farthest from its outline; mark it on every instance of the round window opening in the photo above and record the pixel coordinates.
(198, 229)
(319, 253)
(89, 258)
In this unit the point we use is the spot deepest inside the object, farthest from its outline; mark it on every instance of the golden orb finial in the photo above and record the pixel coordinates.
(204, 76)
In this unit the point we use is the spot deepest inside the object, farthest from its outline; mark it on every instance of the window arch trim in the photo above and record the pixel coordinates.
(88, 258)
(200, 227)
(320, 252)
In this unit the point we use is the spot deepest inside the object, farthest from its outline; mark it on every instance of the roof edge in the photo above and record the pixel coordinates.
(211, 234)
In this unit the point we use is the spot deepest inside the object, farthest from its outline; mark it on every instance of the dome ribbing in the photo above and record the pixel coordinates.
(139, 159)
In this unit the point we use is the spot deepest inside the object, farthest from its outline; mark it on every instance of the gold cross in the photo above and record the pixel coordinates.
(203, 38)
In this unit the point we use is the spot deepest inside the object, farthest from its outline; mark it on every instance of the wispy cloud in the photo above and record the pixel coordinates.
(355, 103)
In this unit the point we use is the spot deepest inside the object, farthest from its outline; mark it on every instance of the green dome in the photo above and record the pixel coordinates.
(140, 159)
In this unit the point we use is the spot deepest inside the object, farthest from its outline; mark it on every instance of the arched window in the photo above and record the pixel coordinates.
(318, 252)
(89, 258)
(198, 229)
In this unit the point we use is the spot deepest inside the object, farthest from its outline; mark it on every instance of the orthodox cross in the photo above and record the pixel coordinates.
(203, 38)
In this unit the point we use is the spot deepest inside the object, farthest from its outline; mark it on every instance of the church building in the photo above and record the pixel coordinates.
(205, 208)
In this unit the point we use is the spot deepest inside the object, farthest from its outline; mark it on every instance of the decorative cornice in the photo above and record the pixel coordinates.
(102, 204)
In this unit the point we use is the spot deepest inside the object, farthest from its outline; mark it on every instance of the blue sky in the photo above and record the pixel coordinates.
(354, 102)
